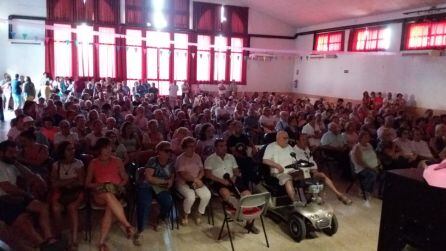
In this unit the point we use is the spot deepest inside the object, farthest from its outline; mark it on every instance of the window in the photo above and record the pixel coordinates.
(180, 57)
(134, 54)
(62, 50)
(332, 41)
(236, 59)
(220, 58)
(85, 50)
(430, 35)
(107, 52)
(158, 55)
(370, 39)
(203, 58)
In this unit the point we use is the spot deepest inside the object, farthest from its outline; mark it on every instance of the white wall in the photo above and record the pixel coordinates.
(420, 78)
(275, 75)
(28, 60)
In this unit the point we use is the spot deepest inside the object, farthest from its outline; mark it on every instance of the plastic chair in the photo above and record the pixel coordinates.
(249, 208)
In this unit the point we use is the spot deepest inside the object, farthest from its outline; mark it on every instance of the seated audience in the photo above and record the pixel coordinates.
(33, 154)
(419, 146)
(365, 162)
(106, 178)
(216, 166)
(17, 205)
(67, 183)
(277, 157)
(189, 180)
(159, 176)
(302, 150)
(206, 141)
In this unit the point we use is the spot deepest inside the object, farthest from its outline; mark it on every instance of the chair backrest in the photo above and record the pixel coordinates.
(259, 202)
(144, 156)
(140, 174)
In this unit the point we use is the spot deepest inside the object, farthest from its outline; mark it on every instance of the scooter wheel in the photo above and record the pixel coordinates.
(333, 228)
(297, 227)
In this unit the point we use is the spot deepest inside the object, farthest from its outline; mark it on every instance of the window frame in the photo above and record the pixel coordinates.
(353, 39)
(331, 33)
(406, 36)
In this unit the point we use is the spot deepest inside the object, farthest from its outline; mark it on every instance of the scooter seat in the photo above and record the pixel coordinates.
(272, 185)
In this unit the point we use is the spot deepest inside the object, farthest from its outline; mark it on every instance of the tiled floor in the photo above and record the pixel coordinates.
(358, 231)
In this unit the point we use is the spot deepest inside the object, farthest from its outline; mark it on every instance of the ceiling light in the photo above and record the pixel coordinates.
(222, 14)
(159, 21)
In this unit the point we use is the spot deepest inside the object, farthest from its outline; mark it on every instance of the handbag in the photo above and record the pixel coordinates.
(110, 188)
(69, 195)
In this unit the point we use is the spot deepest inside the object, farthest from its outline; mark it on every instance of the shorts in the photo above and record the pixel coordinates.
(11, 207)
(241, 186)
(282, 177)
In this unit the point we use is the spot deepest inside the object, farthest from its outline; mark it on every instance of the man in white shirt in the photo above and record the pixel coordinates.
(173, 93)
(278, 156)
(216, 166)
(16, 203)
(419, 146)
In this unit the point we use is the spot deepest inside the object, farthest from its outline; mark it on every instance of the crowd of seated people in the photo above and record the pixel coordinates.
(194, 137)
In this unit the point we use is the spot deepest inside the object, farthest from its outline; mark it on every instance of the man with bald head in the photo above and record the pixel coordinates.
(277, 157)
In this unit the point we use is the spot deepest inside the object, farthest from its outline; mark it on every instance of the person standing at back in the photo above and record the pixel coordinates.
(16, 90)
(29, 89)
(173, 92)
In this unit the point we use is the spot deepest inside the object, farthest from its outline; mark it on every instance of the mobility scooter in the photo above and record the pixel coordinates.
(308, 215)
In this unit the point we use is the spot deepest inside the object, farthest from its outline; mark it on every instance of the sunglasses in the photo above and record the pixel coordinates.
(166, 150)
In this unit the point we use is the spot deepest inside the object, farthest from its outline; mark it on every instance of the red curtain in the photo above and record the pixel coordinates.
(191, 74)
(180, 14)
(238, 19)
(204, 14)
(84, 11)
(121, 63)
(60, 10)
(74, 57)
(237, 25)
(49, 51)
(108, 11)
(134, 12)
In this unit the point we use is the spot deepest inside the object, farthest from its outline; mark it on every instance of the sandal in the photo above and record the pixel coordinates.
(103, 247)
(344, 199)
(130, 231)
(74, 246)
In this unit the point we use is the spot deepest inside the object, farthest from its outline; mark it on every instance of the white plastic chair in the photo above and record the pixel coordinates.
(249, 208)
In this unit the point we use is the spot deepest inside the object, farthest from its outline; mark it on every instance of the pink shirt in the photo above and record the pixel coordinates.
(106, 172)
(192, 165)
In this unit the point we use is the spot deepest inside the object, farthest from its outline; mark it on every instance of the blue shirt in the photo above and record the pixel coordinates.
(16, 87)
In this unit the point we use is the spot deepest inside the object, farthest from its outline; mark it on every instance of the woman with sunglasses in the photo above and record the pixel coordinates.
(106, 177)
(189, 180)
(158, 179)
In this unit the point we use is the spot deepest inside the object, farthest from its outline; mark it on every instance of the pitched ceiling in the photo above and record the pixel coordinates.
(302, 13)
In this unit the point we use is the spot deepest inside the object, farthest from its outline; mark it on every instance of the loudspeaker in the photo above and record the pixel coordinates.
(413, 213)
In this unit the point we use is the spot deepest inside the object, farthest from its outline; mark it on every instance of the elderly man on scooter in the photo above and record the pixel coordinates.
(278, 156)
